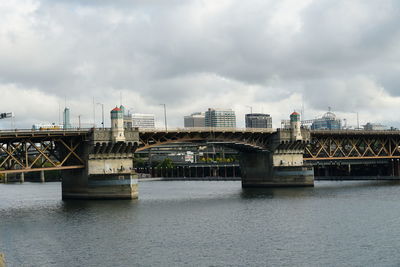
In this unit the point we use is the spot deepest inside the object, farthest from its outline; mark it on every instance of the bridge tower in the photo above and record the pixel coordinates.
(295, 126)
(117, 124)
(108, 157)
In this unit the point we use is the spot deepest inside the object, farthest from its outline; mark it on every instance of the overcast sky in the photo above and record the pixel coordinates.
(196, 54)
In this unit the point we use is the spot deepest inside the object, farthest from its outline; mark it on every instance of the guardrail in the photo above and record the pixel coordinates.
(191, 129)
(200, 129)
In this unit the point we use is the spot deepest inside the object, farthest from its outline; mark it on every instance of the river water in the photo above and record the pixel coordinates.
(204, 224)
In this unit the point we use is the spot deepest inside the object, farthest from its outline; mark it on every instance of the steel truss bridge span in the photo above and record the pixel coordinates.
(352, 145)
(27, 151)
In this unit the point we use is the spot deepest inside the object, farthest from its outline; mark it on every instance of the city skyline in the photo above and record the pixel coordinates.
(272, 56)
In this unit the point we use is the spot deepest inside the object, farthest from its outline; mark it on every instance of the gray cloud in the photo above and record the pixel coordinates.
(195, 54)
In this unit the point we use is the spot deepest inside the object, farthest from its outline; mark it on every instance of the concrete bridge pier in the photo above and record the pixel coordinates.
(108, 161)
(103, 178)
(258, 170)
(22, 178)
(282, 165)
(5, 178)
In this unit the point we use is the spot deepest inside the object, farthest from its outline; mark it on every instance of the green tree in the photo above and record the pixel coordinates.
(166, 163)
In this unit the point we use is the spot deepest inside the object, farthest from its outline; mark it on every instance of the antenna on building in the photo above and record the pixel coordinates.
(120, 98)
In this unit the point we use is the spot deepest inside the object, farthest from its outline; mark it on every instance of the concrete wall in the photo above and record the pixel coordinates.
(289, 159)
(110, 166)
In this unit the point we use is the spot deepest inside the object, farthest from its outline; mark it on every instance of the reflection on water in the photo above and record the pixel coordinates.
(204, 224)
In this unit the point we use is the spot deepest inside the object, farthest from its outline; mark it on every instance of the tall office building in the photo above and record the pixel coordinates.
(223, 118)
(258, 120)
(196, 119)
(66, 119)
(143, 121)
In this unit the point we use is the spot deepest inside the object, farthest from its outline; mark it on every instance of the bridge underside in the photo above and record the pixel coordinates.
(248, 140)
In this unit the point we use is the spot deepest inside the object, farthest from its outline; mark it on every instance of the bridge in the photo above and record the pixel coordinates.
(97, 163)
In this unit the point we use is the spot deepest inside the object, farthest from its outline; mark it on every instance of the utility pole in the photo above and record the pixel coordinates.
(165, 116)
(102, 113)
(94, 114)
(79, 121)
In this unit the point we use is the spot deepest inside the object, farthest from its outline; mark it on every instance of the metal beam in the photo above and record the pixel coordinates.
(43, 169)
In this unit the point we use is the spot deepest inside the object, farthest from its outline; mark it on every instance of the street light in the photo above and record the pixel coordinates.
(165, 116)
(102, 113)
(358, 120)
(79, 121)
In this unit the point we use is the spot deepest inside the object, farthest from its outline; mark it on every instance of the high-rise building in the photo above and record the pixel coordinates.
(145, 121)
(224, 118)
(196, 119)
(66, 119)
(327, 122)
(258, 120)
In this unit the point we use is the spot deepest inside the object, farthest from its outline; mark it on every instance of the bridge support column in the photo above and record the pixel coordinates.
(22, 177)
(5, 178)
(42, 177)
(258, 170)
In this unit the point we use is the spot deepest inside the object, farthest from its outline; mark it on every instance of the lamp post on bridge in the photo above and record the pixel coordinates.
(79, 121)
(165, 116)
(102, 113)
(358, 120)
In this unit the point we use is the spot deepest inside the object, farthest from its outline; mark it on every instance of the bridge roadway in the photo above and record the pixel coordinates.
(18, 146)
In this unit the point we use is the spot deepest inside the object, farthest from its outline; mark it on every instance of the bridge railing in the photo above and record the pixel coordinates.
(208, 129)
(183, 129)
